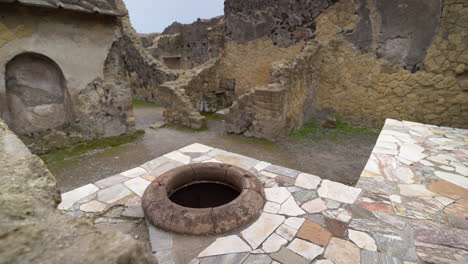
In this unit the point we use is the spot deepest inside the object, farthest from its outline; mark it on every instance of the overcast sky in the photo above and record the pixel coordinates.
(150, 16)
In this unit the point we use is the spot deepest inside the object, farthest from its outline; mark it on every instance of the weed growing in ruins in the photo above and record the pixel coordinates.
(89, 146)
(212, 116)
(139, 104)
(314, 130)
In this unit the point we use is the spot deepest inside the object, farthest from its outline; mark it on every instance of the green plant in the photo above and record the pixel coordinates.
(211, 116)
(139, 104)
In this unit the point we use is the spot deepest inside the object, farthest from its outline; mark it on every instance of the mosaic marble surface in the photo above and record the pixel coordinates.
(409, 206)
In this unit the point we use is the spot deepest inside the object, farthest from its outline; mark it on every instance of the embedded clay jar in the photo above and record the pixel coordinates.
(203, 198)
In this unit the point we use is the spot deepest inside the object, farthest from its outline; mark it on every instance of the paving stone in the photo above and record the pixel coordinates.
(284, 181)
(219, 247)
(391, 219)
(457, 213)
(137, 185)
(261, 165)
(314, 233)
(93, 207)
(225, 259)
(165, 168)
(266, 224)
(159, 239)
(453, 178)
(282, 171)
(412, 152)
(440, 254)
(337, 228)
(286, 232)
(194, 261)
(304, 196)
(258, 259)
(294, 222)
(315, 206)
(257, 251)
(290, 208)
(371, 257)
(195, 148)
(418, 207)
(165, 257)
(133, 212)
(339, 214)
(244, 162)
(414, 190)
(317, 218)
(113, 194)
(362, 240)
(293, 189)
(75, 213)
(151, 165)
(448, 189)
(338, 192)
(305, 249)
(269, 174)
(323, 261)
(377, 207)
(273, 243)
(382, 150)
(271, 207)
(71, 197)
(287, 256)
(179, 157)
(278, 194)
(373, 226)
(392, 169)
(451, 237)
(135, 172)
(395, 247)
(444, 200)
(307, 181)
(342, 252)
(110, 181)
(148, 177)
(333, 204)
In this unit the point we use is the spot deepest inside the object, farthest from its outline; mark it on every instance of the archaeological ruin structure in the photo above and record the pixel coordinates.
(71, 73)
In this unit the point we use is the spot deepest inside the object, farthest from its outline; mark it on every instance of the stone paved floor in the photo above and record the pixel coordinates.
(409, 206)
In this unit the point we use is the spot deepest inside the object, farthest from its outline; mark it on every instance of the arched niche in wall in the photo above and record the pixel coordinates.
(36, 92)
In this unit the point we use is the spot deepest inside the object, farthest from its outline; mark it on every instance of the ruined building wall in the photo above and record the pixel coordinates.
(98, 103)
(34, 231)
(418, 75)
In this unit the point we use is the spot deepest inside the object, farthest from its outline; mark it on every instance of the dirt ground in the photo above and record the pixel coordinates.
(340, 160)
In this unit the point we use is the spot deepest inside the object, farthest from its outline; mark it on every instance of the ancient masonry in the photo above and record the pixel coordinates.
(275, 69)
(410, 205)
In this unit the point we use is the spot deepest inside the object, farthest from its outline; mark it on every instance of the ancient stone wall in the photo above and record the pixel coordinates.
(34, 231)
(385, 78)
(97, 101)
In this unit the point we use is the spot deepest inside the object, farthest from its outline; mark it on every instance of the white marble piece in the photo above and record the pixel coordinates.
(380, 150)
(460, 168)
(262, 165)
(412, 152)
(160, 240)
(403, 160)
(286, 232)
(395, 198)
(271, 207)
(447, 168)
(135, 172)
(225, 245)
(295, 222)
(110, 181)
(338, 192)
(331, 204)
(194, 261)
(177, 156)
(340, 214)
(266, 224)
(393, 123)
(290, 208)
(211, 160)
(453, 178)
(277, 194)
(426, 163)
(305, 249)
(415, 190)
(137, 185)
(268, 174)
(113, 194)
(442, 159)
(362, 240)
(71, 197)
(388, 145)
(323, 261)
(315, 206)
(195, 148)
(257, 251)
(388, 138)
(307, 181)
(154, 164)
(93, 207)
(273, 243)
(444, 200)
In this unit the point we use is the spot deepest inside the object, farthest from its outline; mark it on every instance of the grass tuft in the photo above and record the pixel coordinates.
(140, 104)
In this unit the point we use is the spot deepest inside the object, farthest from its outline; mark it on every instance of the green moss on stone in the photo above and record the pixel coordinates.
(140, 104)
